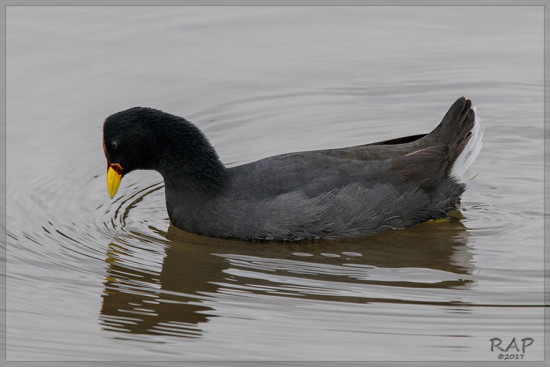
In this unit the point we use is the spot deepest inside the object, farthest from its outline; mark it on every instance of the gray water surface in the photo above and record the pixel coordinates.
(93, 279)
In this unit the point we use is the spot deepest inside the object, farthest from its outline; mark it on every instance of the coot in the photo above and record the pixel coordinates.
(346, 192)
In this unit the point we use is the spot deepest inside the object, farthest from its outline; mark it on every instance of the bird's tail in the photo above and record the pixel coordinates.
(461, 131)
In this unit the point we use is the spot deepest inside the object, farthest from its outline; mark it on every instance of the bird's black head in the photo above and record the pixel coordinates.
(130, 142)
(131, 139)
(145, 138)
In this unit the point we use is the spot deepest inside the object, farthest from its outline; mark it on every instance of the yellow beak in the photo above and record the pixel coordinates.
(113, 179)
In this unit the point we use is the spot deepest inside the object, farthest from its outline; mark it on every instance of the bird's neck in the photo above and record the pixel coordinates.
(189, 164)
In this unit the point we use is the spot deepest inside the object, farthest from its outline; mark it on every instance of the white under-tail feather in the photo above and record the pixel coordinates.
(468, 156)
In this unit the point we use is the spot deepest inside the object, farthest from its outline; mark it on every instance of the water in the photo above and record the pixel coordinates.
(94, 279)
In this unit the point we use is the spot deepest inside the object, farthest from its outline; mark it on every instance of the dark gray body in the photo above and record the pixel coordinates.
(325, 194)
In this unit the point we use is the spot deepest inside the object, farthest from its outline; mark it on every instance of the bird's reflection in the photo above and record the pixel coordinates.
(195, 270)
